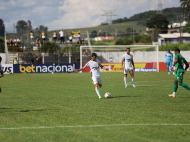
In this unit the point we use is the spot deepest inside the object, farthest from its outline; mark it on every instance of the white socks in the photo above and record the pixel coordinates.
(125, 81)
(133, 81)
(97, 91)
(173, 93)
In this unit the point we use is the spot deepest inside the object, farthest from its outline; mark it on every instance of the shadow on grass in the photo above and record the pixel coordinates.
(6, 108)
(27, 110)
(31, 110)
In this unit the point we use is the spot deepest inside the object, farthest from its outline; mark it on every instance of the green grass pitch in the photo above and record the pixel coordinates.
(65, 107)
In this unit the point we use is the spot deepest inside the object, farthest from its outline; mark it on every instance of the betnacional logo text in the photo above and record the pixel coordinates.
(27, 69)
(46, 68)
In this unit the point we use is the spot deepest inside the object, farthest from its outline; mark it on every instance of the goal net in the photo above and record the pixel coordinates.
(146, 57)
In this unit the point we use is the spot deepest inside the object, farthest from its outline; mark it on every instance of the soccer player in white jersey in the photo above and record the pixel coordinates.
(128, 59)
(95, 66)
(1, 72)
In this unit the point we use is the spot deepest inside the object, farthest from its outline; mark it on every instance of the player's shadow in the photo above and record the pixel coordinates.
(27, 110)
(6, 108)
(31, 110)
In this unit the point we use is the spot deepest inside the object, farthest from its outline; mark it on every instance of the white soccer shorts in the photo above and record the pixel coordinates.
(97, 79)
(127, 69)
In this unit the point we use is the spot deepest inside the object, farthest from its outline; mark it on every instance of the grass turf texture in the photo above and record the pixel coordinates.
(35, 100)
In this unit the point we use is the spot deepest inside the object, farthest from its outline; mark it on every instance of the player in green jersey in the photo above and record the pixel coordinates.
(179, 62)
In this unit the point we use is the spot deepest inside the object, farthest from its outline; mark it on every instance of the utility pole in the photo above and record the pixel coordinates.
(109, 14)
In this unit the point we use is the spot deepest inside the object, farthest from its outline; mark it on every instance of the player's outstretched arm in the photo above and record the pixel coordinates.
(77, 70)
(102, 67)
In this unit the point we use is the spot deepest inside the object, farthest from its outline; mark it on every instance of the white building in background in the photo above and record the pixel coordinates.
(173, 38)
(177, 25)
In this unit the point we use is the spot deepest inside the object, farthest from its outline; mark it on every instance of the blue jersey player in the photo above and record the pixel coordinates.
(169, 57)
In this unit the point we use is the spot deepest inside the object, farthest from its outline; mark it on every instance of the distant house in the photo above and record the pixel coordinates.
(173, 38)
(175, 27)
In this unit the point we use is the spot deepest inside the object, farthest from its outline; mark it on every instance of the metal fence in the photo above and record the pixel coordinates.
(46, 58)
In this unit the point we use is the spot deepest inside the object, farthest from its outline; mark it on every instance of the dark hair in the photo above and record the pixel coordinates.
(0, 59)
(128, 48)
(168, 49)
(177, 50)
(94, 54)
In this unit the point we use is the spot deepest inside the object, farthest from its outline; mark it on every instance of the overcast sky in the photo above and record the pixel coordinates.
(66, 14)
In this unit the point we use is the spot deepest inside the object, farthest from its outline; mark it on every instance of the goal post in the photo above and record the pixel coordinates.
(6, 49)
(113, 54)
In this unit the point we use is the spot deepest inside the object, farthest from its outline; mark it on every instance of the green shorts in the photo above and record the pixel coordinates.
(179, 75)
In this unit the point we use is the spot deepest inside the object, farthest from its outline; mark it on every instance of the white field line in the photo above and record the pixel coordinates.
(91, 126)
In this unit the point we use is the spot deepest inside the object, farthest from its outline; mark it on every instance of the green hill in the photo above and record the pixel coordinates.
(170, 13)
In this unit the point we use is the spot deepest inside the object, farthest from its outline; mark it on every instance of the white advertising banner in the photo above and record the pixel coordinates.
(7, 68)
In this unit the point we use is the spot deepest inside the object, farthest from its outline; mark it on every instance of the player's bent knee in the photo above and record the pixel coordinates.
(180, 83)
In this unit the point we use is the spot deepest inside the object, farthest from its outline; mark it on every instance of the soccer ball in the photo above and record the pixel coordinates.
(107, 95)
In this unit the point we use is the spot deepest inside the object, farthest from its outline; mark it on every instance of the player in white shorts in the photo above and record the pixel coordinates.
(1, 72)
(128, 59)
(95, 66)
